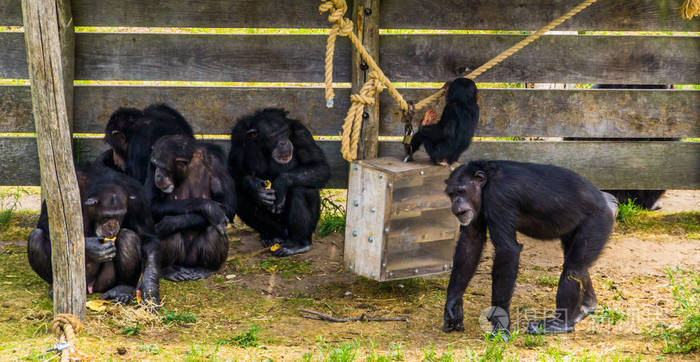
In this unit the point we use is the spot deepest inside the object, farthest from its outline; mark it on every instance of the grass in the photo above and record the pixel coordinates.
(547, 281)
(628, 212)
(332, 217)
(286, 267)
(607, 315)
(180, 318)
(131, 331)
(685, 287)
(246, 339)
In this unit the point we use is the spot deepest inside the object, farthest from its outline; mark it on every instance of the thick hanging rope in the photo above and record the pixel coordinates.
(690, 9)
(65, 326)
(344, 27)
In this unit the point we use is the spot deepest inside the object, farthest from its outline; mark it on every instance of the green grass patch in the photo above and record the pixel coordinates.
(685, 287)
(244, 340)
(628, 212)
(170, 317)
(607, 315)
(131, 331)
(332, 217)
(685, 223)
(285, 267)
(547, 281)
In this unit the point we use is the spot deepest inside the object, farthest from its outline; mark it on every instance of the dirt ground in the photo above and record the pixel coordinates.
(254, 291)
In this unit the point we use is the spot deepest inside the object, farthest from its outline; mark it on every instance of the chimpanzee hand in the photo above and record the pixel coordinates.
(99, 251)
(149, 288)
(122, 294)
(280, 188)
(454, 317)
(265, 196)
(214, 213)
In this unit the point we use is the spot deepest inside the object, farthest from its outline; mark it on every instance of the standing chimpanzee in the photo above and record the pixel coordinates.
(131, 133)
(452, 134)
(192, 197)
(119, 239)
(279, 170)
(540, 201)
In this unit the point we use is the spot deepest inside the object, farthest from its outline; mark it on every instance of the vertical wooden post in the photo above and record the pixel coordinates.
(45, 62)
(366, 19)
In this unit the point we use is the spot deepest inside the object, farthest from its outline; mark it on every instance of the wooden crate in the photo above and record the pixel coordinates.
(399, 223)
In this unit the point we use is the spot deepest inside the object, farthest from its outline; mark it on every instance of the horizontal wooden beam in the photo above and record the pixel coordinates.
(628, 15)
(404, 58)
(609, 165)
(504, 112)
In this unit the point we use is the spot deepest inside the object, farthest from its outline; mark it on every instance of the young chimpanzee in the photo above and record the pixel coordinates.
(540, 201)
(452, 134)
(131, 133)
(192, 197)
(279, 170)
(119, 238)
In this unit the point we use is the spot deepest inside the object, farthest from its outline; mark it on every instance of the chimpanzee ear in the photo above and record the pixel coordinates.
(252, 133)
(480, 178)
(91, 201)
(119, 137)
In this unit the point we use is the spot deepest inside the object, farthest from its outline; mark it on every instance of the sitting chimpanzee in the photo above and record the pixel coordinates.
(131, 133)
(445, 140)
(119, 238)
(540, 201)
(192, 197)
(279, 170)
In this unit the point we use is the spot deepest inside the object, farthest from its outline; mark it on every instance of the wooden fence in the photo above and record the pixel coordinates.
(423, 56)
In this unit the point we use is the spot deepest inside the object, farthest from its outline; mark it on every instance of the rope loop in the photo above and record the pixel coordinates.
(65, 326)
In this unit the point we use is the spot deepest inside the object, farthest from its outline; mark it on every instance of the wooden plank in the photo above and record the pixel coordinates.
(67, 38)
(550, 59)
(429, 58)
(628, 15)
(504, 112)
(366, 19)
(58, 179)
(19, 164)
(608, 165)
(201, 13)
(208, 57)
(570, 113)
(10, 13)
(13, 57)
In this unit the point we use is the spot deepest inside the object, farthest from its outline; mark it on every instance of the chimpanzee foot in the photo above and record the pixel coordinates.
(290, 247)
(268, 242)
(120, 294)
(181, 273)
(587, 308)
(549, 326)
(455, 325)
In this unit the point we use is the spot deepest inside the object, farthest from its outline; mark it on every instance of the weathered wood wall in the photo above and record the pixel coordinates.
(405, 58)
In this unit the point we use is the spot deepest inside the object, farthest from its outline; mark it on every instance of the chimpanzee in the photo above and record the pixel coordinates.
(192, 197)
(131, 133)
(120, 245)
(452, 134)
(279, 170)
(540, 201)
(648, 199)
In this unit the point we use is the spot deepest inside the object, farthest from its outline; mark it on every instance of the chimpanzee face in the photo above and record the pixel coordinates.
(465, 193)
(272, 132)
(462, 90)
(105, 211)
(169, 169)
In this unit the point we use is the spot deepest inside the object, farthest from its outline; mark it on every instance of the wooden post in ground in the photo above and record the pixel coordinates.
(365, 15)
(51, 117)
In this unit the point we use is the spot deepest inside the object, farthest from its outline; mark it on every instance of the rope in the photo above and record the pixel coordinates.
(65, 326)
(690, 8)
(378, 81)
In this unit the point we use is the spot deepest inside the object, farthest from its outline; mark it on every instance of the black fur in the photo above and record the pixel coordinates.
(136, 246)
(446, 140)
(191, 220)
(288, 211)
(541, 201)
(141, 130)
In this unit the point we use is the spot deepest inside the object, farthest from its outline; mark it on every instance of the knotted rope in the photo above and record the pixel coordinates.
(65, 326)
(352, 126)
(344, 27)
(690, 8)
